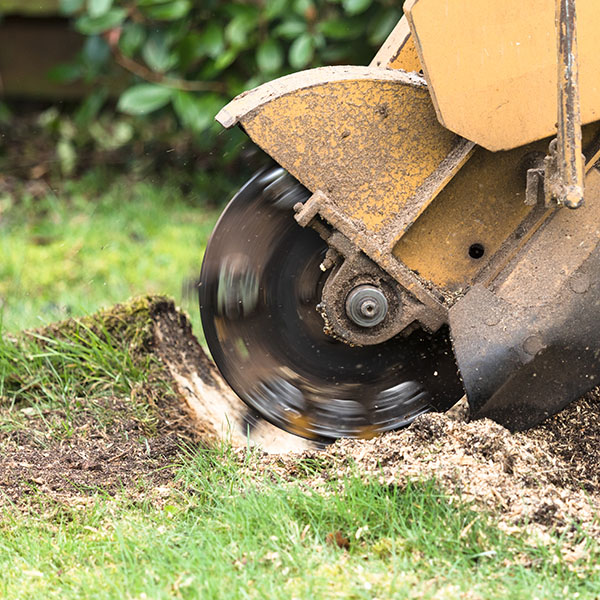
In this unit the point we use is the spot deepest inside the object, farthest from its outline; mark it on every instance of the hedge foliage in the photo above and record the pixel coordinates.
(193, 56)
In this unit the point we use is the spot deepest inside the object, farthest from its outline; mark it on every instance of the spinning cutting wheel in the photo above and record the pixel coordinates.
(261, 283)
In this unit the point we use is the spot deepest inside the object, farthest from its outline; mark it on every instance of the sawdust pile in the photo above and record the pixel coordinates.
(547, 477)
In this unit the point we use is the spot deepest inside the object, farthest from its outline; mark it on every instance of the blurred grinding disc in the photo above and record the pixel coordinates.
(259, 288)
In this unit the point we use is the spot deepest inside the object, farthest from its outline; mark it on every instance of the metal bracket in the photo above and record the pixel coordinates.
(414, 302)
(564, 164)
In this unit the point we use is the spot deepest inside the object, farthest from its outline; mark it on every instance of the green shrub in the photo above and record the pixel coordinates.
(194, 56)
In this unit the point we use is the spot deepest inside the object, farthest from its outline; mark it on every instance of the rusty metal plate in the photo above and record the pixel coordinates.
(367, 137)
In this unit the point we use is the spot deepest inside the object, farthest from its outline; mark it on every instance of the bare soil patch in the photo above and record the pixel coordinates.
(122, 456)
(548, 477)
(128, 444)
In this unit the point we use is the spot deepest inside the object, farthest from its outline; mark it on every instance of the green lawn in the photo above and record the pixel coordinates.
(96, 242)
(220, 534)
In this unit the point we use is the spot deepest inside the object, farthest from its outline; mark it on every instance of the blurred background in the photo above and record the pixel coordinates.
(112, 169)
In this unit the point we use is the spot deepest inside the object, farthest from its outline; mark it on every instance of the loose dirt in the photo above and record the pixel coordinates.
(548, 477)
(92, 458)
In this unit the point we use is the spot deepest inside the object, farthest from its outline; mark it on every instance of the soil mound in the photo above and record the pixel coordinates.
(548, 476)
(94, 437)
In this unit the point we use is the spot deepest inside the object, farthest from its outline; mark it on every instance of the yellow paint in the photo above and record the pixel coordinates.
(368, 138)
(301, 425)
(398, 51)
(407, 59)
(367, 142)
(483, 204)
(492, 67)
(368, 432)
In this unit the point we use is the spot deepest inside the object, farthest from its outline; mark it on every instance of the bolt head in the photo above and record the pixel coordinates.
(366, 306)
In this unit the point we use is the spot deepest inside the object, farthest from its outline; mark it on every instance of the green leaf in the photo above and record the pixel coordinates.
(290, 29)
(225, 59)
(341, 29)
(68, 7)
(382, 25)
(355, 7)
(301, 7)
(276, 8)
(67, 157)
(157, 54)
(242, 10)
(132, 38)
(49, 119)
(210, 41)
(94, 25)
(319, 40)
(269, 56)
(196, 112)
(177, 9)
(97, 8)
(65, 73)
(95, 53)
(113, 136)
(301, 51)
(239, 29)
(90, 107)
(188, 50)
(144, 98)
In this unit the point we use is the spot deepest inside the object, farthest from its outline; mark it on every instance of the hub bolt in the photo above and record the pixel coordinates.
(366, 306)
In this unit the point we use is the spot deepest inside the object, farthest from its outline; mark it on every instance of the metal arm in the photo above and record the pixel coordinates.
(564, 177)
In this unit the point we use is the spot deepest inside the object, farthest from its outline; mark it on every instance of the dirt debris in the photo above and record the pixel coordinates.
(121, 455)
(574, 436)
(548, 477)
(545, 477)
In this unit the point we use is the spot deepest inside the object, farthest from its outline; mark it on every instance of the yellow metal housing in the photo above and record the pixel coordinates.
(491, 66)
(367, 137)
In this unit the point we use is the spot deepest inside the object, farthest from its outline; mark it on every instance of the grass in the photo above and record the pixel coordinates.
(222, 534)
(222, 529)
(77, 363)
(98, 242)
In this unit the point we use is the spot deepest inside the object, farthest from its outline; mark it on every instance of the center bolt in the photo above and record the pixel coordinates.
(366, 306)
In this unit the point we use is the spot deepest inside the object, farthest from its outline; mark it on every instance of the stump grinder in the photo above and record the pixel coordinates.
(430, 227)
